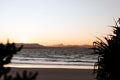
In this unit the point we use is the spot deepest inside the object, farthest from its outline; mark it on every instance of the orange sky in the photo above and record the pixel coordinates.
(51, 22)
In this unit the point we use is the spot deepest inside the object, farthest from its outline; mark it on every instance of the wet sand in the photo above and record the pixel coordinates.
(58, 73)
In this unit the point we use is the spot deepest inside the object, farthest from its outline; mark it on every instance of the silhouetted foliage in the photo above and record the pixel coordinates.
(107, 66)
(6, 53)
(24, 76)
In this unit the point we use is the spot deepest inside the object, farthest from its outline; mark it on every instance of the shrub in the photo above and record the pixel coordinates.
(107, 66)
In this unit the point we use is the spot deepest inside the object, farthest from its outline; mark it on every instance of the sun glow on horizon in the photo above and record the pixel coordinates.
(44, 35)
(43, 41)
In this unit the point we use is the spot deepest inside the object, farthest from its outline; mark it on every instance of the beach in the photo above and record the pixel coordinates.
(57, 73)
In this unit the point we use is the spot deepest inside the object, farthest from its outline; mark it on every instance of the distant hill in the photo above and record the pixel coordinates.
(79, 46)
(30, 45)
(35, 45)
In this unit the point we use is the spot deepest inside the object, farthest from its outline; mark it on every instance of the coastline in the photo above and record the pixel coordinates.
(49, 66)
(55, 72)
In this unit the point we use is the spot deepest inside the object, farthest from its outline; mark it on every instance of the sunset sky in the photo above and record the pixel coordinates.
(49, 22)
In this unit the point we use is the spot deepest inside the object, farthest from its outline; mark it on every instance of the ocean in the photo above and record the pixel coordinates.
(55, 56)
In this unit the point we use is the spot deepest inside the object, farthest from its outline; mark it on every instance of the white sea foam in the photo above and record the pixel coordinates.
(56, 56)
(48, 66)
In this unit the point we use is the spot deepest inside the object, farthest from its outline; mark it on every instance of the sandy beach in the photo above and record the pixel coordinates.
(58, 73)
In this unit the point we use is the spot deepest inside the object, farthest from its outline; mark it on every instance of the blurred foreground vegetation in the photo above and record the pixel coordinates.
(6, 53)
(107, 66)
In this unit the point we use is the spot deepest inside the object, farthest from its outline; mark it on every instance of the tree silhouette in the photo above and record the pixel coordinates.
(6, 53)
(107, 66)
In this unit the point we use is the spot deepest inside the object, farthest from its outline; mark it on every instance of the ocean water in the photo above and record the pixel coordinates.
(56, 56)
